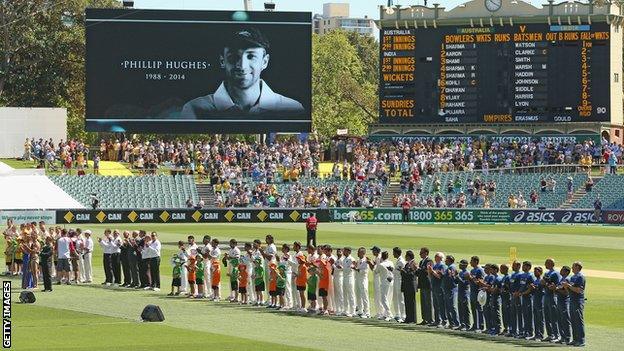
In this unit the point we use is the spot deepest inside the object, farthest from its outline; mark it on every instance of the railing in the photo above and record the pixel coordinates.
(594, 169)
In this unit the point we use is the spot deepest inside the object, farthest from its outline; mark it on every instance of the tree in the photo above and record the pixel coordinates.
(344, 85)
(367, 49)
(42, 45)
(42, 64)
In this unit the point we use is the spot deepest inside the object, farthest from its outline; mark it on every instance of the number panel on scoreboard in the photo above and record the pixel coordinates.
(510, 74)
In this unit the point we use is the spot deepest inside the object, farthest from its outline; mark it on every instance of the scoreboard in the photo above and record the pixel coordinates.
(500, 74)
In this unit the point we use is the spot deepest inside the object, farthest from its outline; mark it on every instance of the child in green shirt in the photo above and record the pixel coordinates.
(281, 283)
(312, 283)
(234, 279)
(199, 278)
(258, 278)
(177, 275)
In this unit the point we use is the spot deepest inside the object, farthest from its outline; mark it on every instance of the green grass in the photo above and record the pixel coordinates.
(95, 332)
(18, 164)
(105, 318)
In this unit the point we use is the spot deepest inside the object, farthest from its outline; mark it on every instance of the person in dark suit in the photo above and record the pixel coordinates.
(424, 285)
(133, 261)
(142, 264)
(409, 281)
(44, 261)
(123, 257)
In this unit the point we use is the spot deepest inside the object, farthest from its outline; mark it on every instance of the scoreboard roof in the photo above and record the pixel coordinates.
(479, 13)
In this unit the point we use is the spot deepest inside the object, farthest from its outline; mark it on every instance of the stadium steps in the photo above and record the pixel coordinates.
(393, 188)
(205, 192)
(578, 194)
(608, 188)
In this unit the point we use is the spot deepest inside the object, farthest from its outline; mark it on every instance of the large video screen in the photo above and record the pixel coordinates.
(198, 71)
(495, 74)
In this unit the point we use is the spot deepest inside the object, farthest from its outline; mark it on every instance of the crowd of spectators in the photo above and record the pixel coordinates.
(296, 194)
(294, 159)
(248, 173)
(429, 157)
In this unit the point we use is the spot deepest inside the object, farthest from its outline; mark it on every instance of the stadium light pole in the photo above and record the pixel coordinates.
(247, 5)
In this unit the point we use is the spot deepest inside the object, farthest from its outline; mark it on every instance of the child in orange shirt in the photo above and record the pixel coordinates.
(273, 284)
(302, 279)
(191, 268)
(215, 273)
(325, 276)
(243, 280)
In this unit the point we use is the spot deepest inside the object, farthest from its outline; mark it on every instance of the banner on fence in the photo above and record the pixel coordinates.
(190, 216)
(419, 215)
(613, 217)
(271, 215)
(465, 215)
(27, 216)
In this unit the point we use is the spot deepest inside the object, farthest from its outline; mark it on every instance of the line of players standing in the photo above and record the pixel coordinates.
(519, 304)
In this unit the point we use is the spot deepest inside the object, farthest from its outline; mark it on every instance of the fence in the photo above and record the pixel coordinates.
(358, 215)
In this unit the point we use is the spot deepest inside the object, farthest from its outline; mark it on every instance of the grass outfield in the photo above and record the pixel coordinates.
(101, 318)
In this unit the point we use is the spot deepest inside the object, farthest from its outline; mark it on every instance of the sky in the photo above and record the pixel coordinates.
(358, 8)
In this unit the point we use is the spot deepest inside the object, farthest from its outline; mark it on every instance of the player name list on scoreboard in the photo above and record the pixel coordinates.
(398, 65)
(523, 73)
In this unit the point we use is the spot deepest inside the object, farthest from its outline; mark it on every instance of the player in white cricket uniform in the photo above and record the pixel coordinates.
(191, 251)
(233, 253)
(205, 250)
(294, 268)
(288, 291)
(338, 277)
(348, 282)
(398, 302)
(384, 270)
(269, 253)
(256, 253)
(361, 284)
(215, 253)
(377, 276)
(248, 261)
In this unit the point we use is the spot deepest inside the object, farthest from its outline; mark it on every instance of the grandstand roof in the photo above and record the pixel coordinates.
(21, 192)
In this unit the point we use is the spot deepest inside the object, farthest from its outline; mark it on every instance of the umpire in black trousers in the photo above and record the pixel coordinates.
(409, 281)
(424, 284)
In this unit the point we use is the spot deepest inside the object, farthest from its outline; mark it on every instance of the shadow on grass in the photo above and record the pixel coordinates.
(372, 323)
